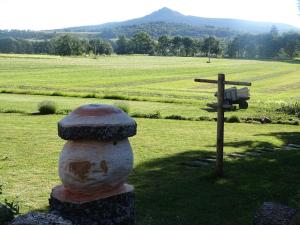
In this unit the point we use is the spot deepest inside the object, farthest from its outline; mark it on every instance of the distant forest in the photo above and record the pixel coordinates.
(249, 46)
(156, 30)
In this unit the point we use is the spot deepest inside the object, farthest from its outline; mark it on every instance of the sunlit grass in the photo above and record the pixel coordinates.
(141, 76)
(30, 147)
(167, 192)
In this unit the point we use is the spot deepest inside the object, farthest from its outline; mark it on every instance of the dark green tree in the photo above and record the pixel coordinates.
(164, 44)
(234, 48)
(63, 45)
(105, 48)
(78, 46)
(8, 45)
(291, 44)
(188, 45)
(268, 45)
(177, 46)
(141, 43)
(243, 46)
(69, 45)
(100, 47)
(42, 47)
(211, 46)
(198, 46)
(122, 45)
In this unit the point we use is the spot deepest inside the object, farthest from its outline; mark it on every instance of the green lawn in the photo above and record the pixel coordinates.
(167, 192)
(149, 77)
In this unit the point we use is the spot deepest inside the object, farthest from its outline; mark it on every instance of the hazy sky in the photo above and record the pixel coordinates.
(48, 14)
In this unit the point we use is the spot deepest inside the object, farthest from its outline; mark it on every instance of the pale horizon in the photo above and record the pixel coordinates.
(55, 14)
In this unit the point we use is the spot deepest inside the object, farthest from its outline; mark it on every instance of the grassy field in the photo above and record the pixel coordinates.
(144, 81)
(167, 78)
(167, 192)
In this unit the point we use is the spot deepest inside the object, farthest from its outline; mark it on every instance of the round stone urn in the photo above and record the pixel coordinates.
(94, 166)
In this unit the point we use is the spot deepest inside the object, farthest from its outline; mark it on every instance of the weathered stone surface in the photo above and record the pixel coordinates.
(96, 122)
(94, 166)
(35, 218)
(64, 195)
(115, 210)
(103, 133)
(89, 166)
(274, 214)
(6, 214)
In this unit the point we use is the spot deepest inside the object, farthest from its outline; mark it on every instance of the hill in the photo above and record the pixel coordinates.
(174, 19)
(157, 29)
(162, 22)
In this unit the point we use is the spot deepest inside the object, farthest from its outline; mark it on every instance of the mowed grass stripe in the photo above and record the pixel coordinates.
(72, 74)
(29, 154)
(30, 147)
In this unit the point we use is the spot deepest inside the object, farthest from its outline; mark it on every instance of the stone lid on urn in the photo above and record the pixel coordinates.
(96, 122)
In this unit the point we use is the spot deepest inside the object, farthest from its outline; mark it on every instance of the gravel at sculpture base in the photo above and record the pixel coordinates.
(115, 210)
(35, 218)
(6, 214)
(274, 214)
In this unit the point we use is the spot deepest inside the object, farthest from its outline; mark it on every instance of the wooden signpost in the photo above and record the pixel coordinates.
(220, 121)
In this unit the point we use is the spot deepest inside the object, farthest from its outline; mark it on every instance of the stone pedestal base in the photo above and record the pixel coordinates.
(275, 214)
(113, 210)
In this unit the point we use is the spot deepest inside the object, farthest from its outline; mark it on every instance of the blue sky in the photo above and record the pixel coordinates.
(49, 14)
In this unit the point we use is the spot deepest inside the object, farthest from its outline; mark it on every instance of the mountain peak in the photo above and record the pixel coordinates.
(165, 8)
(165, 11)
(167, 15)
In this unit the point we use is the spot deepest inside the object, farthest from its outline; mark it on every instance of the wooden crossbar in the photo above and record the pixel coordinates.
(225, 82)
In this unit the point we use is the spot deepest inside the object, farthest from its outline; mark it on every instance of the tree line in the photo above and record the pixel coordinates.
(63, 45)
(268, 45)
(141, 43)
(248, 46)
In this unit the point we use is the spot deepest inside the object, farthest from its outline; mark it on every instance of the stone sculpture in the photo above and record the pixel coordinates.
(94, 165)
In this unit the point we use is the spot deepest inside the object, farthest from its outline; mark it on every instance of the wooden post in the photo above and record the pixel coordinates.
(220, 125)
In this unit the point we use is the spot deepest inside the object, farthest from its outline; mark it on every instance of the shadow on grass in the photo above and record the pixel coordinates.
(214, 110)
(169, 193)
(285, 137)
(34, 114)
(207, 109)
